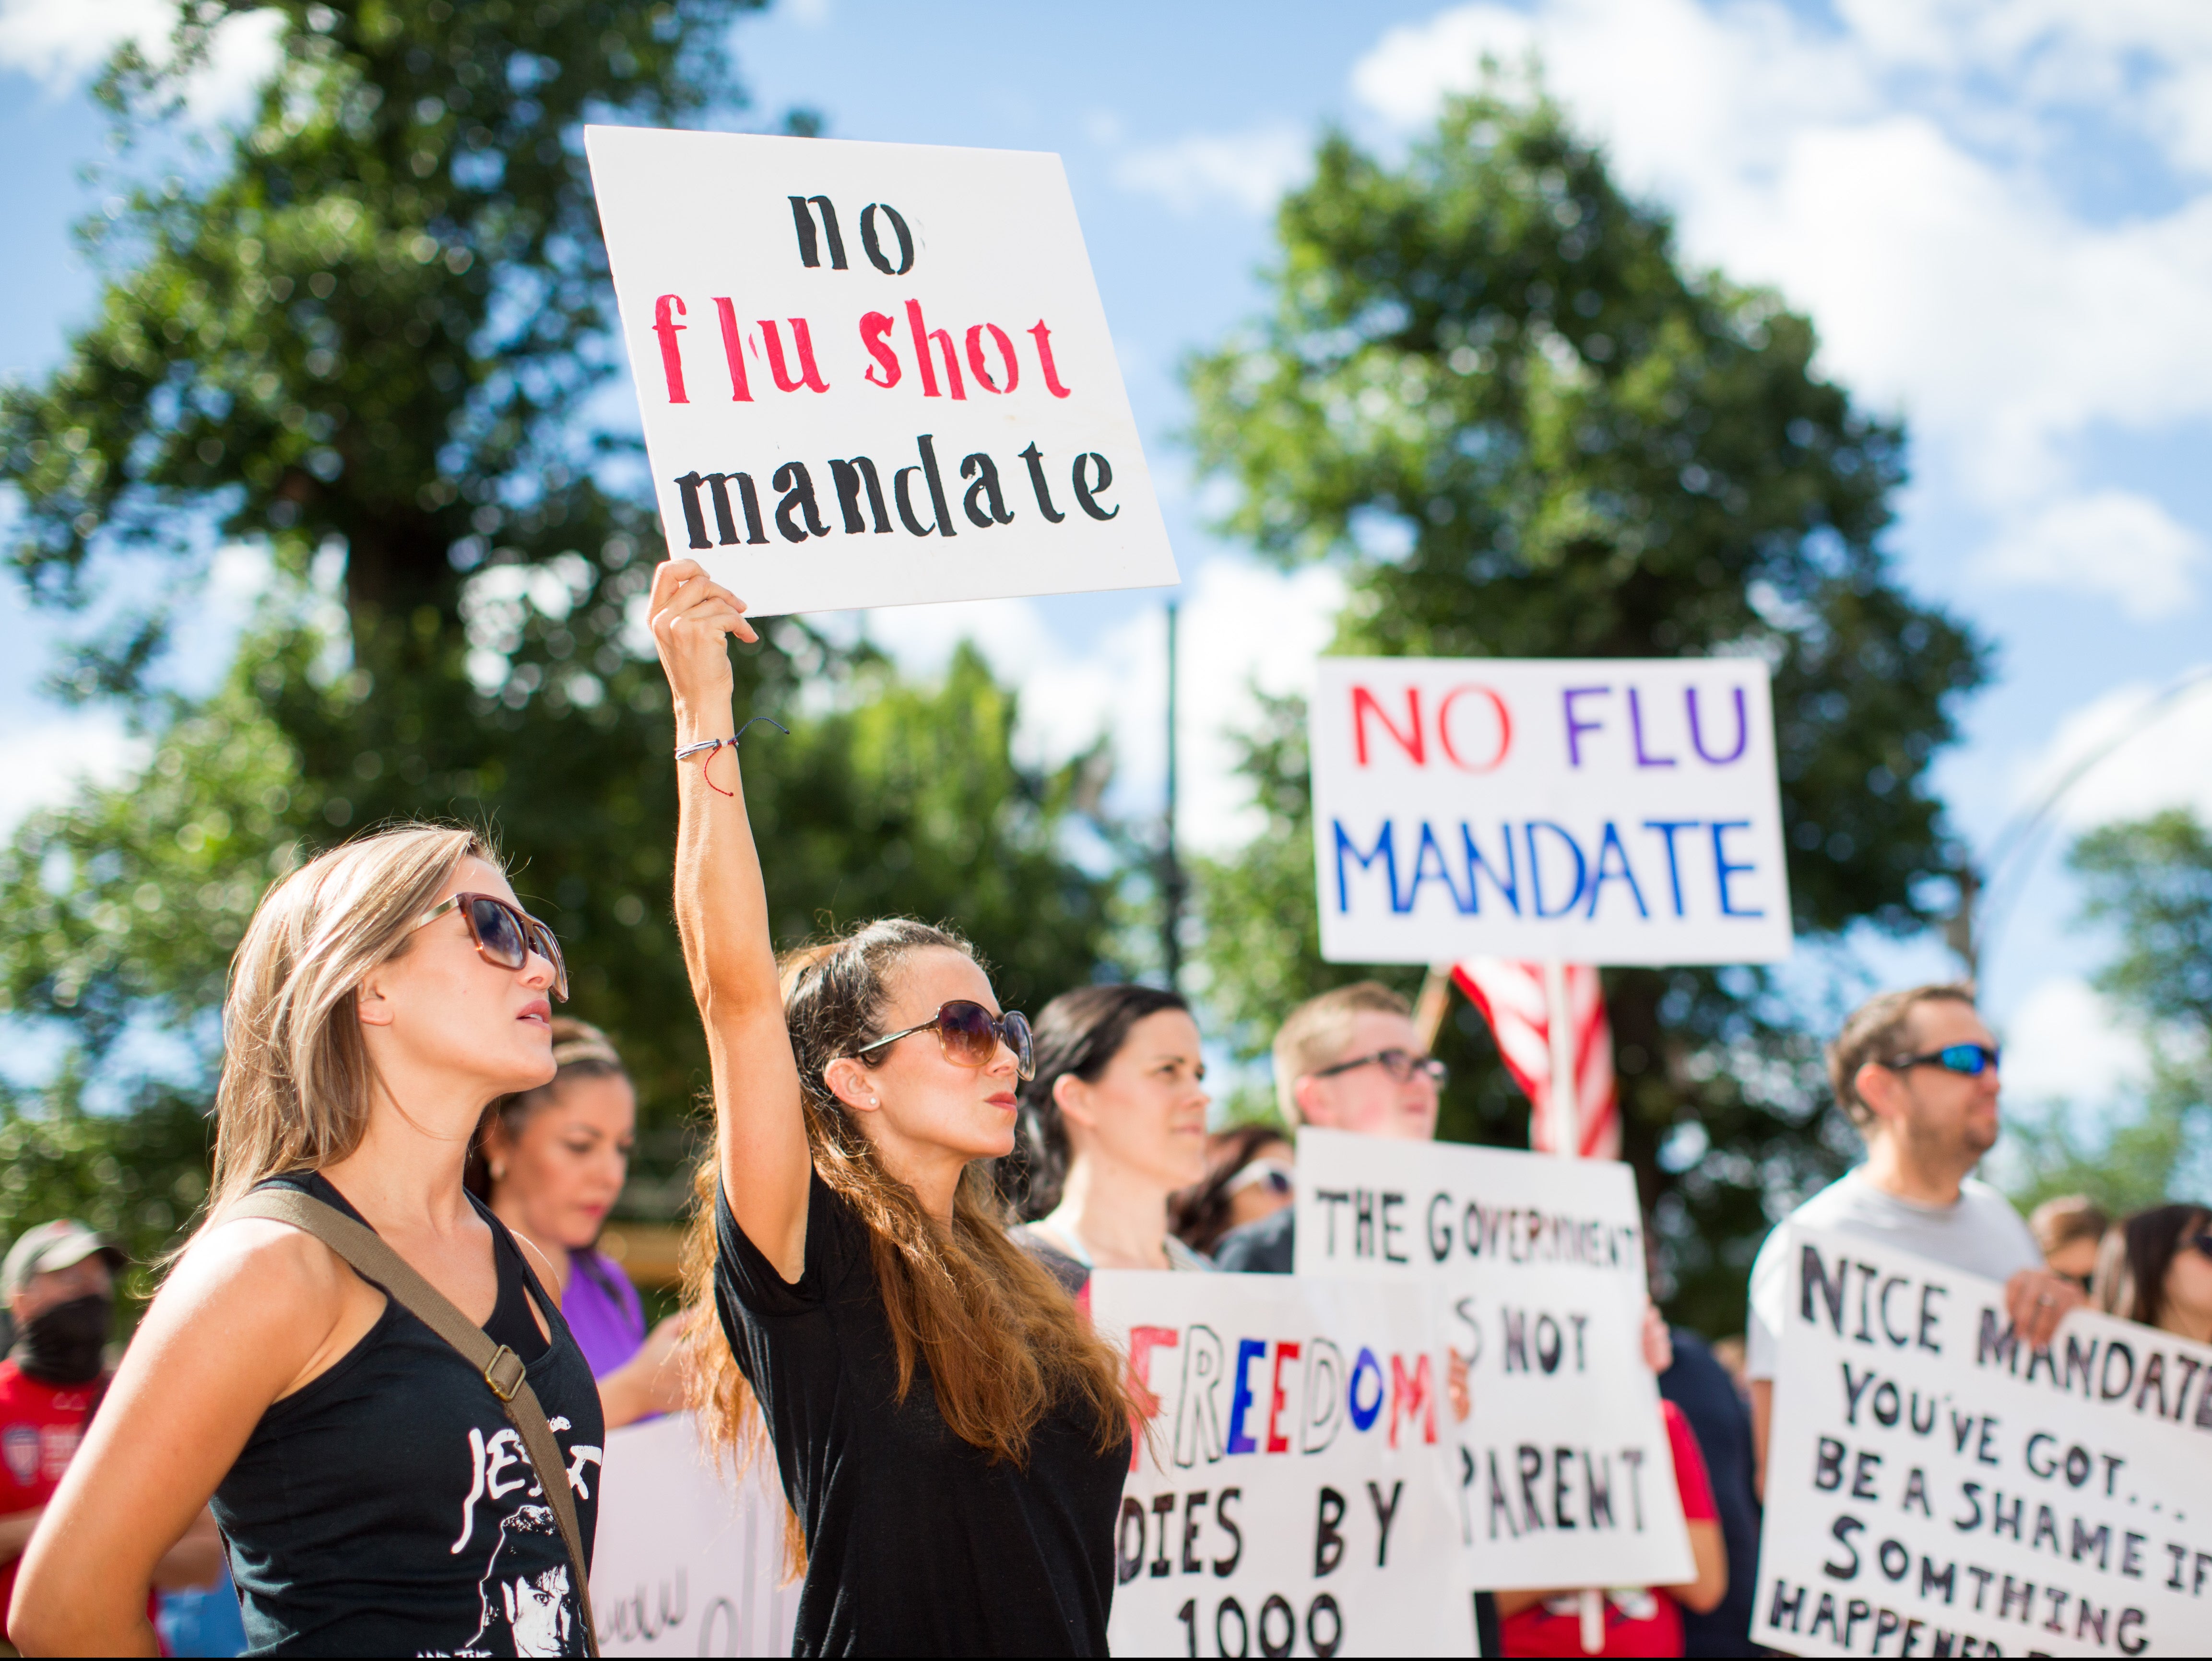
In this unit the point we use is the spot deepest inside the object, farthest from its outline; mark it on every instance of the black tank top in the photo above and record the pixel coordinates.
(389, 1508)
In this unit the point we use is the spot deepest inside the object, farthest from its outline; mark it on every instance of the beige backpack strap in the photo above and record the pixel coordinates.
(500, 1367)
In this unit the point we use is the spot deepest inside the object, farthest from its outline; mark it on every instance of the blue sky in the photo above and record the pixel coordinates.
(1998, 214)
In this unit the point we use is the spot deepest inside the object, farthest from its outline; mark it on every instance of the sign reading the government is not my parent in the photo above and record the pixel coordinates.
(873, 374)
(1287, 1495)
(1936, 1488)
(1562, 1474)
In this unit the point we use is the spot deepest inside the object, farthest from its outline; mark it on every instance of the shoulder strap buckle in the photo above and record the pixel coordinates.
(504, 1373)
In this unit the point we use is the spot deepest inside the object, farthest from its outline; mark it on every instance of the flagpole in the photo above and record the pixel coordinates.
(1567, 1142)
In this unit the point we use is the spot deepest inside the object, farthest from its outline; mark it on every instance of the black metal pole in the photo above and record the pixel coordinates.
(1171, 877)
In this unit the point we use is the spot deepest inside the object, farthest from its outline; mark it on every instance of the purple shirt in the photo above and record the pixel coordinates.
(601, 1308)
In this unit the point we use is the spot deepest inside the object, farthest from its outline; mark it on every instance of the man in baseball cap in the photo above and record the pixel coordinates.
(58, 1280)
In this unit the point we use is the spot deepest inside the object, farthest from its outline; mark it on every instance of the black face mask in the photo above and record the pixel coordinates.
(62, 1345)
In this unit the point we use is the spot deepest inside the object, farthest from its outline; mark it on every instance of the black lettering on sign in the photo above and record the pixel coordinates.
(1328, 1538)
(802, 219)
(872, 244)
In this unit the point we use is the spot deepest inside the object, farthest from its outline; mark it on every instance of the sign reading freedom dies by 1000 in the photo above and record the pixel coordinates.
(873, 374)
(1613, 810)
(1562, 1474)
(1934, 1487)
(1288, 1498)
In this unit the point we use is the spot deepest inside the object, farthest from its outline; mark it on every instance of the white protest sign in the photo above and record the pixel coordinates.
(873, 374)
(1290, 1500)
(1934, 1488)
(1604, 811)
(689, 1560)
(1563, 1471)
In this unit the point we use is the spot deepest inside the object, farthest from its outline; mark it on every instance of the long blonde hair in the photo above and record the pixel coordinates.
(295, 1087)
(1003, 1341)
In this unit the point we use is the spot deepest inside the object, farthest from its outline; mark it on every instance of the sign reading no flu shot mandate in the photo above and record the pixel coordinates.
(1611, 810)
(873, 374)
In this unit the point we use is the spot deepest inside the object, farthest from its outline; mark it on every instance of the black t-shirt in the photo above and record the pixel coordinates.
(918, 1543)
(1699, 1385)
(388, 1507)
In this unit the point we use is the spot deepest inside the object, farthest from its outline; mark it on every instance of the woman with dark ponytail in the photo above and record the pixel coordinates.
(1114, 1122)
(951, 1433)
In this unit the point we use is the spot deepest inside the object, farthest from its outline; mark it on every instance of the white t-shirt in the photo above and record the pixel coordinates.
(1981, 1233)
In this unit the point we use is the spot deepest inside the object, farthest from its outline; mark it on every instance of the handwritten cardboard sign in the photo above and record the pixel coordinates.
(873, 374)
(1603, 811)
(1289, 1498)
(1562, 1472)
(1934, 1488)
(689, 1560)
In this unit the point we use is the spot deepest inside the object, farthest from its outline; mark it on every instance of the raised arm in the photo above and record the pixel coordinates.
(721, 912)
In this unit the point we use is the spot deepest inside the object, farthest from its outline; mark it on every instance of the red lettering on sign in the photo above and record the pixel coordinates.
(1444, 731)
(1409, 741)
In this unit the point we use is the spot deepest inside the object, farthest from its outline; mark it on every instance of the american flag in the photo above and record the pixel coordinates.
(1511, 999)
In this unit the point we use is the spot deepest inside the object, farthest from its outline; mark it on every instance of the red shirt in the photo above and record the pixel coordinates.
(1649, 1622)
(40, 1425)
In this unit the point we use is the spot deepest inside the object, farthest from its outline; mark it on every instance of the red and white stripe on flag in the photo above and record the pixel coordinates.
(1511, 995)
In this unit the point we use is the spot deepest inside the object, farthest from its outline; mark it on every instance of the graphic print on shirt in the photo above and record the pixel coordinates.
(527, 1599)
(20, 1444)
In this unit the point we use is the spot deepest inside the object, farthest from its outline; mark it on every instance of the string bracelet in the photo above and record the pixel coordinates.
(707, 747)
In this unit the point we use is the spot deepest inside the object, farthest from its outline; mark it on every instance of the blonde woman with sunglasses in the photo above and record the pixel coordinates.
(374, 1494)
(951, 1435)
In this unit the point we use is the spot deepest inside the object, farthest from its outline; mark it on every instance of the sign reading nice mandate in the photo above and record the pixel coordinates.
(1290, 1498)
(873, 374)
(1935, 1487)
(1610, 810)
(1562, 1472)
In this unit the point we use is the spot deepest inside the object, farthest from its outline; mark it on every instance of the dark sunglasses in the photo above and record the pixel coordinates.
(1398, 1064)
(1271, 1174)
(970, 1034)
(1971, 1059)
(505, 935)
(2203, 1244)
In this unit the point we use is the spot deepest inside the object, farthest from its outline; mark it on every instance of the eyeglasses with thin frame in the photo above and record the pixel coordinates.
(505, 935)
(1971, 1059)
(1400, 1065)
(970, 1035)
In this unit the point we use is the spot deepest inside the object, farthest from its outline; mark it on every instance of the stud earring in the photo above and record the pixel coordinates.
(498, 1172)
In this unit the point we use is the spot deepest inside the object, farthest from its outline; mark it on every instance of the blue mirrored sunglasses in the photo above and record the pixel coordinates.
(1971, 1059)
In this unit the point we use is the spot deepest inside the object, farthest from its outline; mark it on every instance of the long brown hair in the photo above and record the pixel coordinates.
(1002, 1341)
(295, 1086)
(2133, 1261)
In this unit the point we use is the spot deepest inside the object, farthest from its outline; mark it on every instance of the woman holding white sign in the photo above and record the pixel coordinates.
(952, 1434)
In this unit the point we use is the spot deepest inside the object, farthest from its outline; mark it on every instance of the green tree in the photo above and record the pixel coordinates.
(1488, 389)
(2150, 880)
(362, 337)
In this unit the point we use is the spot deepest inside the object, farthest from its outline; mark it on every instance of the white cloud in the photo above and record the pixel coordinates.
(1247, 169)
(1241, 622)
(45, 764)
(1897, 176)
(2164, 761)
(2113, 542)
(2065, 1042)
(63, 43)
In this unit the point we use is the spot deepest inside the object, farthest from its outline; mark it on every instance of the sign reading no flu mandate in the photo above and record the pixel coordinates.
(1611, 810)
(873, 374)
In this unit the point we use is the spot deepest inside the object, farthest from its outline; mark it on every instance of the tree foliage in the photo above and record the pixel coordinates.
(363, 339)
(2149, 880)
(1489, 390)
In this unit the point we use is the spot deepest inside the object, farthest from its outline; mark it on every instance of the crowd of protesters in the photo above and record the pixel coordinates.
(398, 1281)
